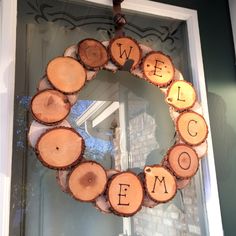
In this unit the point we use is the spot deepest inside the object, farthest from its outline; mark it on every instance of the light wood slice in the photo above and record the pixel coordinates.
(87, 181)
(60, 148)
(147, 201)
(37, 129)
(44, 84)
(137, 71)
(201, 149)
(192, 128)
(173, 114)
(182, 183)
(158, 69)
(160, 183)
(181, 95)
(71, 51)
(197, 108)
(102, 203)
(62, 179)
(91, 75)
(124, 48)
(178, 75)
(110, 66)
(50, 106)
(112, 172)
(92, 53)
(66, 74)
(125, 194)
(183, 161)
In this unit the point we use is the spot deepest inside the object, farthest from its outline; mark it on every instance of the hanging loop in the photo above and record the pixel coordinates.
(118, 18)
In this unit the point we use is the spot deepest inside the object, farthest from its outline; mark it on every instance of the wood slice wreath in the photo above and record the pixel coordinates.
(60, 147)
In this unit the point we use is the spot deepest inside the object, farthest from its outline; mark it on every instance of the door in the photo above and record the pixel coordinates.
(124, 121)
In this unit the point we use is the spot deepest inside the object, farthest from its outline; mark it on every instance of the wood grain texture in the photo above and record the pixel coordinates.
(60, 148)
(87, 181)
(66, 74)
(50, 106)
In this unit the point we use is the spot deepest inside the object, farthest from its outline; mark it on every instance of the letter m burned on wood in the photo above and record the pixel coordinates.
(160, 184)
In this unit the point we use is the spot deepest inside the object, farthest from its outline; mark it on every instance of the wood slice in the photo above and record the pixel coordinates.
(183, 161)
(36, 130)
(112, 172)
(197, 108)
(158, 69)
(92, 54)
(173, 114)
(160, 183)
(124, 48)
(87, 181)
(50, 106)
(181, 95)
(91, 74)
(44, 84)
(71, 51)
(60, 148)
(137, 71)
(102, 203)
(192, 128)
(66, 74)
(62, 179)
(201, 149)
(148, 202)
(110, 66)
(125, 194)
(182, 183)
(178, 75)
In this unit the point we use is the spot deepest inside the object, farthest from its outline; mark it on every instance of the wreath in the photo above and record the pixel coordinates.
(58, 146)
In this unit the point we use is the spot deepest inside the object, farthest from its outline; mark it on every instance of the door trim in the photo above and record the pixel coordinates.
(8, 11)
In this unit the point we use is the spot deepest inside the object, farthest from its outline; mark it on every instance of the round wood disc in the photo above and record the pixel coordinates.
(62, 179)
(160, 183)
(181, 95)
(92, 53)
(37, 129)
(87, 181)
(183, 161)
(192, 128)
(125, 193)
(158, 68)
(50, 106)
(66, 74)
(60, 148)
(123, 49)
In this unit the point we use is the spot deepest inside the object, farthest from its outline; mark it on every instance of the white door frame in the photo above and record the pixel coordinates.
(8, 13)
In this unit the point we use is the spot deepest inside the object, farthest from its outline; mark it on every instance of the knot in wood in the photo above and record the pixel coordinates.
(119, 20)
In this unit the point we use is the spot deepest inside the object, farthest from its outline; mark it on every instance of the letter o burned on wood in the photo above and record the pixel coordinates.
(60, 147)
